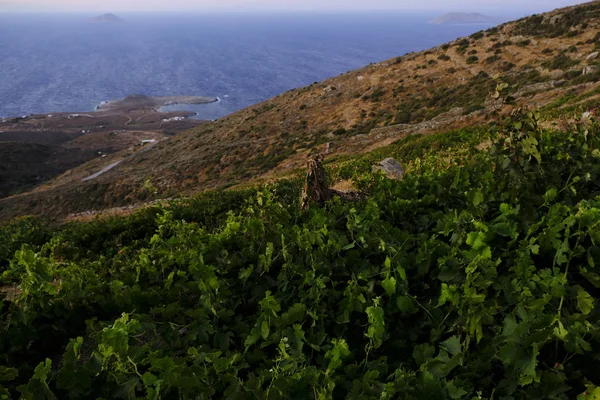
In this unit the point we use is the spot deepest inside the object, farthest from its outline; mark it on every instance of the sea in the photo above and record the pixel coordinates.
(64, 63)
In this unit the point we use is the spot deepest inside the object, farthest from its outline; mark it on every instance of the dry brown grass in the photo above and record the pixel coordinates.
(346, 186)
(275, 137)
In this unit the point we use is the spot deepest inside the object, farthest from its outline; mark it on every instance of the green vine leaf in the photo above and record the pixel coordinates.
(585, 302)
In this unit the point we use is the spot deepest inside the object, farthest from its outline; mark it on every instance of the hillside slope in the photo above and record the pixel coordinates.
(475, 276)
(547, 60)
(37, 148)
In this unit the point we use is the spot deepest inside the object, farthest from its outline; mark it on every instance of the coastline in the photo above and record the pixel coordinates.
(143, 102)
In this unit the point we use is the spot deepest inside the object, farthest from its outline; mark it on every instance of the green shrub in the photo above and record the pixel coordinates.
(492, 31)
(524, 43)
(402, 117)
(561, 62)
(472, 277)
(477, 35)
(572, 74)
(26, 230)
(507, 66)
(587, 78)
(397, 90)
(472, 60)
(462, 46)
(563, 25)
(500, 45)
(375, 95)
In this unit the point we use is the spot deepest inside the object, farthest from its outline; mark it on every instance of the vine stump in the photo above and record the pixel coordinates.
(316, 190)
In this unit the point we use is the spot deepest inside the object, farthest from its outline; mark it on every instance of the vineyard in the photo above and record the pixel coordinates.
(476, 276)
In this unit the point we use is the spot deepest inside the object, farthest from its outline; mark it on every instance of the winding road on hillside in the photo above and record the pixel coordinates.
(114, 164)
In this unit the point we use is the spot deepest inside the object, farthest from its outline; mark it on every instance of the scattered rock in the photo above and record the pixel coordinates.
(537, 87)
(391, 168)
(401, 130)
(593, 56)
(588, 115)
(589, 69)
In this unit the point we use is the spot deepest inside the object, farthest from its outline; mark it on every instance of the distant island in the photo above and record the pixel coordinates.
(463, 18)
(143, 102)
(107, 19)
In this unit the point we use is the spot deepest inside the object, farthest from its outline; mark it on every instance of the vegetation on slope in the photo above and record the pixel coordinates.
(448, 87)
(476, 276)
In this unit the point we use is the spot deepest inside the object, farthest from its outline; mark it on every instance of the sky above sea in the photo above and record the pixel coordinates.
(63, 63)
(280, 5)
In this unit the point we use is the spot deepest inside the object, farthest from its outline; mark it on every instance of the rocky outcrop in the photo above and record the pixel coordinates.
(401, 130)
(391, 168)
(538, 87)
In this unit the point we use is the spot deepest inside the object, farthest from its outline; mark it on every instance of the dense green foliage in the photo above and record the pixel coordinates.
(476, 276)
(568, 24)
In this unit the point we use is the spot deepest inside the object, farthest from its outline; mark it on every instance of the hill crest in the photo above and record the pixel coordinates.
(108, 18)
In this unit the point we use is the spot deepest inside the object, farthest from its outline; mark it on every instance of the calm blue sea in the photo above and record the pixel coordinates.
(53, 63)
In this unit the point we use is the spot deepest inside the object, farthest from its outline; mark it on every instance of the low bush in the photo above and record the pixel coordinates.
(472, 60)
(560, 62)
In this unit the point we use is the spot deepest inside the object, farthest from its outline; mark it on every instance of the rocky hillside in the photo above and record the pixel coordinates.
(549, 61)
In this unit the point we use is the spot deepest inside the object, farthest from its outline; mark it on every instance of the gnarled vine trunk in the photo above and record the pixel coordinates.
(316, 190)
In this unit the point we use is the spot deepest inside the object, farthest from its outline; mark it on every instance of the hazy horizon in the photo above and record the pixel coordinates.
(61, 63)
(174, 6)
